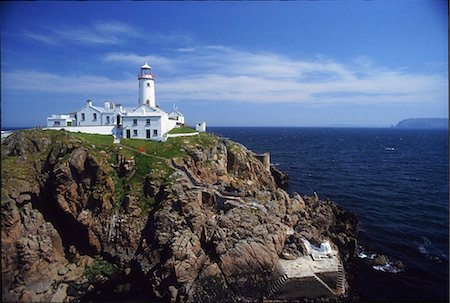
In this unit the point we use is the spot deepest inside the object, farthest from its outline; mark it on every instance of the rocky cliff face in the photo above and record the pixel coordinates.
(210, 228)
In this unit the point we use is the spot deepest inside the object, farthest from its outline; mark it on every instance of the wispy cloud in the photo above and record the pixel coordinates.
(109, 33)
(41, 38)
(162, 63)
(44, 82)
(98, 33)
(218, 74)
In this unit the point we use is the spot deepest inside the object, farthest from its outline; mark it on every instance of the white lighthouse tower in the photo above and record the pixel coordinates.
(146, 86)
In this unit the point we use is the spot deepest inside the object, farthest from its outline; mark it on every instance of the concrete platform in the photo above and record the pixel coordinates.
(318, 274)
(306, 266)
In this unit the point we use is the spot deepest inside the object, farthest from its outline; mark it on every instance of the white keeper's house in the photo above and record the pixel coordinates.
(146, 121)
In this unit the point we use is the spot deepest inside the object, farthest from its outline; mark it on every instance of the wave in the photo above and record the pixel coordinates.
(363, 255)
(389, 267)
(426, 248)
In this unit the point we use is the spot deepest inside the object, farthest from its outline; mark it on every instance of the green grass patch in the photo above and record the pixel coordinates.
(95, 139)
(100, 267)
(119, 190)
(13, 168)
(182, 130)
(168, 149)
(173, 147)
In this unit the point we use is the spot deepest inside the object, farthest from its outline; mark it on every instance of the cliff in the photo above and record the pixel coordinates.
(195, 219)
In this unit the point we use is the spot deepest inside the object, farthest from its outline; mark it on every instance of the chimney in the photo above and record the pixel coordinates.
(120, 107)
(89, 102)
(107, 104)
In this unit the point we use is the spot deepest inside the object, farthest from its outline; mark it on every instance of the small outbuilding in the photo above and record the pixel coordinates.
(200, 127)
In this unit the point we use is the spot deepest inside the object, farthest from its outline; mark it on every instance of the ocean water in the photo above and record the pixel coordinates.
(396, 181)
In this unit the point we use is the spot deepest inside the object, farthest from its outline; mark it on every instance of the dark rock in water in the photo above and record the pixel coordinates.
(208, 226)
(399, 265)
(380, 260)
(281, 178)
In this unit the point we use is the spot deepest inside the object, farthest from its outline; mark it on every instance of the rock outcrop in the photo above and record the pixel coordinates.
(75, 214)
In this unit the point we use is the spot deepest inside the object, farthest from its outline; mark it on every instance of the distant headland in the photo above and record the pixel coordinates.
(423, 123)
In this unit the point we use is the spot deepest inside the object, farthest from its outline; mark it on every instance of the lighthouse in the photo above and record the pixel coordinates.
(146, 86)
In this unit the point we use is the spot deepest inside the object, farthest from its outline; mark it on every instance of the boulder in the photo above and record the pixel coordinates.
(379, 260)
(60, 294)
(281, 178)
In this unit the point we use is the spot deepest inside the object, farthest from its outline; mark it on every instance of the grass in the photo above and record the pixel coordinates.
(95, 139)
(100, 267)
(182, 130)
(168, 149)
(12, 168)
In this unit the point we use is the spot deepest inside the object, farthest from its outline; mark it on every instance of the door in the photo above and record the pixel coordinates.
(128, 133)
(148, 134)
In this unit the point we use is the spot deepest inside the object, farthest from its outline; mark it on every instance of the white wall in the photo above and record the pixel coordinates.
(167, 124)
(142, 127)
(147, 92)
(171, 124)
(201, 127)
(182, 135)
(101, 130)
(112, 118)
(89, 114)
(62, 121)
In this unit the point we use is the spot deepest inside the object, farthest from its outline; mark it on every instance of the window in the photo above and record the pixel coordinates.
(56, 123)
(155, 133)
(148, 121)
(107, 119)
(69, 123)
(82, 117)
(148, 84)
(135, 133)
(95, 117)
(134, 121)
(148, 134)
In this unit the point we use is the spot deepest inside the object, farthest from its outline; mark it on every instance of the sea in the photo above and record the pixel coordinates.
(397, 183)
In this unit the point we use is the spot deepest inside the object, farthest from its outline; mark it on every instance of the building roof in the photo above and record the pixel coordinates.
(59, 117)
(176, 113)
(104, 110)
(144, 110)
(146, 66)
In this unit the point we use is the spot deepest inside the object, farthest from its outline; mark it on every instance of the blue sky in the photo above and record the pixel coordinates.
(306, 63)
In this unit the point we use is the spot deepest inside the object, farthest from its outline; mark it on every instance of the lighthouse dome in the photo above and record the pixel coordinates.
(146, 66)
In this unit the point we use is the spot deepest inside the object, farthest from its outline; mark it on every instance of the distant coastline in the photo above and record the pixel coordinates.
(423, 123)
(6, 128)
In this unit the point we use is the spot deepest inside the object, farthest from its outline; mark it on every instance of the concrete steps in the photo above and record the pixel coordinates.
(278, 284)
(340, 283)
(324, 284)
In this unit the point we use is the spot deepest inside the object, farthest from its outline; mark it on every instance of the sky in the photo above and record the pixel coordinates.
(300, 63)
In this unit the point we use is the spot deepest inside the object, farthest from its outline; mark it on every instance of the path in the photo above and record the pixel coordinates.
(225, 198)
